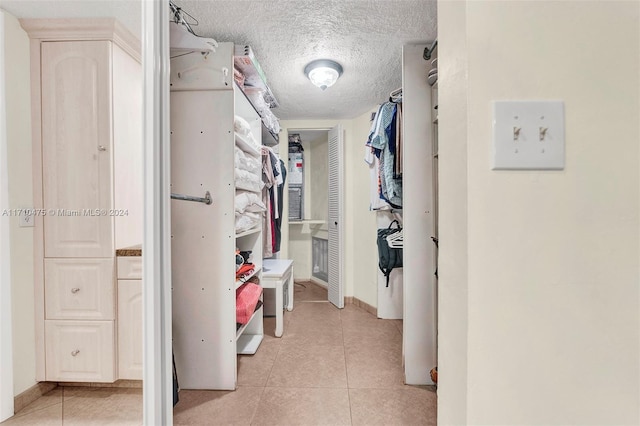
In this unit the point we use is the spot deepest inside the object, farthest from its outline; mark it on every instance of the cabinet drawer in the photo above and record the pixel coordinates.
(79, 289)
(130, 329)
(80, 351)
(129, 267)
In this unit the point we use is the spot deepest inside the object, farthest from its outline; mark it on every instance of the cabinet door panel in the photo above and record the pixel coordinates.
(80, 351)
(129, 267)
(76, 148)
(130, 329)
(79, 289)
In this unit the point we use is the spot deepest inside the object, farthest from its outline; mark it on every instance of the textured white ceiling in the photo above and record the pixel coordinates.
(364, 36)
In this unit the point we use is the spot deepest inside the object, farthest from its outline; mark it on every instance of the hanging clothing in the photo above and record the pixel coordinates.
(376, 202)
(398, 153)
(383, 140)
(269, 181)
(275, 166)
(273, 175)
(280, 190)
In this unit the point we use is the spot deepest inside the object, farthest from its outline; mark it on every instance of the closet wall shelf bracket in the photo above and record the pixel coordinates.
(206, 200)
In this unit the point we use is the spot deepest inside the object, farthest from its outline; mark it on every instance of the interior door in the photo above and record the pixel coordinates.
(336, 217)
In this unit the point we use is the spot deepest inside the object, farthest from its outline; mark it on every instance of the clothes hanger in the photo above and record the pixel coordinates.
(182, 38)
(182, 41)
(396, 240)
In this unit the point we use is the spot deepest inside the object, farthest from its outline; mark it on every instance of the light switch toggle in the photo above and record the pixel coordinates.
(516, 133)
(542, 133)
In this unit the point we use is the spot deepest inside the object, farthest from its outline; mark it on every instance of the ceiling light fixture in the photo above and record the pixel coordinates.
(323, 72)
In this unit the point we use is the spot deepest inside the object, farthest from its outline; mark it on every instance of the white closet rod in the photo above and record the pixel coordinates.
(206, 200)
(429, 50)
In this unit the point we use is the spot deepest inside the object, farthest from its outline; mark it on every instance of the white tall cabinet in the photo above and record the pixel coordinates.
(87, 147)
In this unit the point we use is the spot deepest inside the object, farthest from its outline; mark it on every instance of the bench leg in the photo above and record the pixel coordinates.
(290, 292)
(279, 316)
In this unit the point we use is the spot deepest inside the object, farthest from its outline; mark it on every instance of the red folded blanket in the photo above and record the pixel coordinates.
(247, 296)
(245, 269)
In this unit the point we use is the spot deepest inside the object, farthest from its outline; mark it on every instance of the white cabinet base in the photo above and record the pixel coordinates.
(80, 351)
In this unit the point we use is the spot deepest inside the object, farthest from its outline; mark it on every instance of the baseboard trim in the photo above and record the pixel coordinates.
(39, 389)
(319, 282)
(363, 305)
(348, 300)
(117, 384)
(34, 392)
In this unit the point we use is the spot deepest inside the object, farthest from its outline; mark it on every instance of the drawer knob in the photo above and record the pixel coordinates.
(75, 352)
(75, 290)
(102, 148)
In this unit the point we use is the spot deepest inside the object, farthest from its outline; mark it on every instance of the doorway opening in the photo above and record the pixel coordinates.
(315, 208)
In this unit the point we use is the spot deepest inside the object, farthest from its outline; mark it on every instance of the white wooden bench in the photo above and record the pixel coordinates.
(278, 274)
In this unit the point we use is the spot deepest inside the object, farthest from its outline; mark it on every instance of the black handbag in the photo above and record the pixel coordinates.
(388, 257)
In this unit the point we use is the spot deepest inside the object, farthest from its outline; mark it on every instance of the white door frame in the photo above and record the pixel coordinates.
(6, 324)
(341, 214)
(156, 253)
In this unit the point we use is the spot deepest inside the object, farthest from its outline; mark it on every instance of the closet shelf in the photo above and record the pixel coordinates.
(245, 61)
(248, 277)
(249, 232)
(240, 330)
(307, 222)
(268, 137)
(248, 344)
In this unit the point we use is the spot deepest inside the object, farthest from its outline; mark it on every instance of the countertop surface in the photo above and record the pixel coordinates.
(130, 251)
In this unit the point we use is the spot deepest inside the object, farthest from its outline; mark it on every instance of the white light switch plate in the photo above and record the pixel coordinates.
(528, 135)
(26, 220)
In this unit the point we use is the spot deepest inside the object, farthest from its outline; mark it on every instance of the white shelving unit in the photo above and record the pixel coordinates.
(204, 100)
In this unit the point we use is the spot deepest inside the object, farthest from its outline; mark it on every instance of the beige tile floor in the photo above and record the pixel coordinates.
(83, 406)
(331, 367)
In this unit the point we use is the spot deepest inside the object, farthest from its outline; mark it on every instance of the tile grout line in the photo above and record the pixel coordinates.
(264, 388)
(344, 351)
(62, 414)
(255, 410)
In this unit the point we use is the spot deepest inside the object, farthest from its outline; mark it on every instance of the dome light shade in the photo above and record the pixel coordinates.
(323, 72)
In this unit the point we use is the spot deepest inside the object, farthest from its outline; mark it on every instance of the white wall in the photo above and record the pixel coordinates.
(18, 95)
(319, 178)
(360, 227)
(363, 271)
(452, 215)
(6, 332)
(548, 295)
